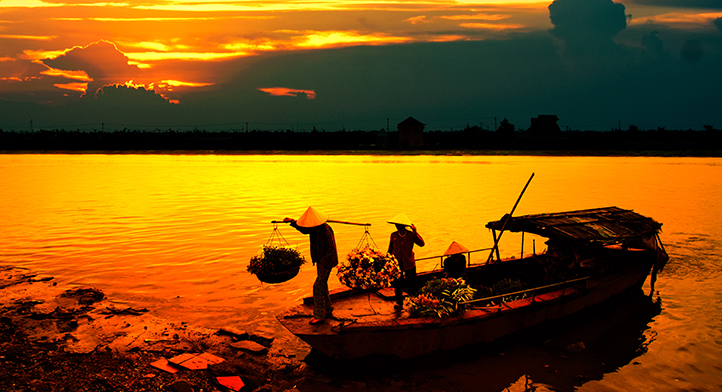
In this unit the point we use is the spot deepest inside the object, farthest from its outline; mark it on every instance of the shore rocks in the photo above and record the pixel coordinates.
(78, 338)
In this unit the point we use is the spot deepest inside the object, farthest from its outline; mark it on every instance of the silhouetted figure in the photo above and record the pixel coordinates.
(401, 245)
(323, 254)
(455, 262)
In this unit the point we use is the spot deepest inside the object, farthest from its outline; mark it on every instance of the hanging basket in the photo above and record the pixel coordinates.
(278, 277)
(276, 263)
(366, 268)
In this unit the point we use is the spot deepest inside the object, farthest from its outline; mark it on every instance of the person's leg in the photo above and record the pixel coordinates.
(399, 287)
(411, 285)
(321, 297)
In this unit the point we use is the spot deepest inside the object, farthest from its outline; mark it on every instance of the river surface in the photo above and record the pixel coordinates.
(174, 234)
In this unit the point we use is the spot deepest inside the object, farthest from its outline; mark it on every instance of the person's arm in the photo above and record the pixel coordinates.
(293, 224)
(417, 237)
(391, 244)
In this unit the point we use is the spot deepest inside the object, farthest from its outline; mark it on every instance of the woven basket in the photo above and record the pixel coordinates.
(279, 277)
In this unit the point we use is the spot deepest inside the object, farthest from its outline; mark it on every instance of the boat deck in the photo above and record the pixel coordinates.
(349, 307)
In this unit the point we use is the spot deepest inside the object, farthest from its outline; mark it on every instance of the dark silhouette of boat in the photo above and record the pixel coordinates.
(592, 256)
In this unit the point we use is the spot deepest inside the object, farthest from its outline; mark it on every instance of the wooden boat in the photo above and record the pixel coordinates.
(592, 256)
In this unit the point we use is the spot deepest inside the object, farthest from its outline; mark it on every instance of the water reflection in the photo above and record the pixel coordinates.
(561, 355)
(174, 234)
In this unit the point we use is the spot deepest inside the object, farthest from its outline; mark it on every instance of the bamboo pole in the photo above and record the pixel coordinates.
(349, 223)
(331, 221)
(496, 240)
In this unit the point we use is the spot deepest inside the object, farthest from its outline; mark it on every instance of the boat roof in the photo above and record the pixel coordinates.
(609, 224)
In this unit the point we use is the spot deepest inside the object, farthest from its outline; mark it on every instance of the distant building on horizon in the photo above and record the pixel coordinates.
(411, 133)
(544, 125)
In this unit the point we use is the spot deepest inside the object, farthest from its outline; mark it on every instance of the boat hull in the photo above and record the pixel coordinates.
(379, 330)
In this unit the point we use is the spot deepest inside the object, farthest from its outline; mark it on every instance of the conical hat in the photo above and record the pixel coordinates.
(401, 219)
(312, 218)
(455, 248)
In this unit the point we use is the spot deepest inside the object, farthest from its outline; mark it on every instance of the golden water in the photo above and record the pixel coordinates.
(174, 233)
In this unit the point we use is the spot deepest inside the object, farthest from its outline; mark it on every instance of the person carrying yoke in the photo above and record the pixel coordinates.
(323, 254)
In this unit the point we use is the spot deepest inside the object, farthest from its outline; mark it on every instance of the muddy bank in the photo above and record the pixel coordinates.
(55, 338)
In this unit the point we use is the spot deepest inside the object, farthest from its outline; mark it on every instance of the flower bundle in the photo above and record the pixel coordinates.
(367, 268)
(273, 259)
(440, 297)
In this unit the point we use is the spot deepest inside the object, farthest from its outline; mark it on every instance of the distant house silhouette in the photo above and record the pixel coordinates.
(411, 133)
(544, 126)
(382, 139)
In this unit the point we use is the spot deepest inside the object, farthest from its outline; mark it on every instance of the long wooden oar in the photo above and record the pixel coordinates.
(497, 239)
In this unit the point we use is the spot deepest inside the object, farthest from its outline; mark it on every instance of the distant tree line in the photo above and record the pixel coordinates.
(707, 142)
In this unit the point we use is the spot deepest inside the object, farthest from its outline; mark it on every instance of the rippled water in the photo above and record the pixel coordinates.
(174, 233)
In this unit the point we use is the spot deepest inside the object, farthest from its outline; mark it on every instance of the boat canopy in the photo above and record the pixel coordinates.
(605, 225)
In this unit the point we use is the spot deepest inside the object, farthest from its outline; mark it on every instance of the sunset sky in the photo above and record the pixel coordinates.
(220, 64)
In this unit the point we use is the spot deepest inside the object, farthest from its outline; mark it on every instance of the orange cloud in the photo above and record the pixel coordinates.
(26, 4)
(175, 46)
(173, 19)
(157, 46)
(140, 57)
(43, 54)
(30, 37)
(448, 38)
(270, 6)
(308, 39)
(477, 17)
(417, 19)
(492, 26)
(288, 92)
(244, 46)
(178, 83)
(81, 87)
(170, 85)
(677, 18)
(77, 75)
(325, 39)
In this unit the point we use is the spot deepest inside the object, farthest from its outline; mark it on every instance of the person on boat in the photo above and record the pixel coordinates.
(401, 245)
(455, 262)
(323, 254)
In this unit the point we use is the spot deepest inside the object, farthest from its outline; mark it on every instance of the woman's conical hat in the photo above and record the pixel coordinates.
(455, 248)
(312, 218)
(401, 219)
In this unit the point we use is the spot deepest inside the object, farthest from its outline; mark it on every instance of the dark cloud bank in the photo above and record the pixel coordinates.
(591, 70)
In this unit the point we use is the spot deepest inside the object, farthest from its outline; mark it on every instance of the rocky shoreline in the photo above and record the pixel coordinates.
(55, 338)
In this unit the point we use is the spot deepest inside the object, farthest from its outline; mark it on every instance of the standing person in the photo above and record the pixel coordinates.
(323, 254)
(401, 245)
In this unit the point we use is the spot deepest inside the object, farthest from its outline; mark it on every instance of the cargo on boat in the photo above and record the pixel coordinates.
(591, 256)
